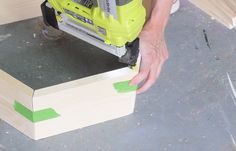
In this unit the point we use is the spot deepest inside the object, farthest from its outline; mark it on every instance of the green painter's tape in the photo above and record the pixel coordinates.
(36, 116)
(123, 87)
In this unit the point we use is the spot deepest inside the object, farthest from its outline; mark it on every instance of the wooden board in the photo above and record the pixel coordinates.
(79, 104)
(48, 87)
(222, 10)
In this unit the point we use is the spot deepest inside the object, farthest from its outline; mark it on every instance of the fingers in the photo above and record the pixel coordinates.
(159, 69)
(155, 70)
(151, 65)
(150, 81)
(143, 73)
(153, 75)
(139, 77)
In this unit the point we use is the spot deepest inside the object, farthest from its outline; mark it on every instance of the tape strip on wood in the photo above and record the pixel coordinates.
(124, 87)
(36, 116)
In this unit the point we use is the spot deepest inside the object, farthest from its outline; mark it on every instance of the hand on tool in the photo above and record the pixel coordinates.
(153, 47)
(154, 53)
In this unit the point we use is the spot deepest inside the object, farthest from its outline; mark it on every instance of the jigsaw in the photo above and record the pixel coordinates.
(111, 25)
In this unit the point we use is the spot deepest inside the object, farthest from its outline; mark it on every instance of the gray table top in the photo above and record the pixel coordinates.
(39, 62)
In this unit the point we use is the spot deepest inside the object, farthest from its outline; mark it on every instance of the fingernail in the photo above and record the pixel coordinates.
(138, 92)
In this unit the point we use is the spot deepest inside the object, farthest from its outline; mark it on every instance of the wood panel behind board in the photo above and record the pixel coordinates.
(16, 10)
(223, 11)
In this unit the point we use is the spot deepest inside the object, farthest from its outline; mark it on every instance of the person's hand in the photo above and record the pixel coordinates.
(154, 53)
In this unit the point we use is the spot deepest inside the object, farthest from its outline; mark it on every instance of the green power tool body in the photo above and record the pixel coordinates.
(112, 25)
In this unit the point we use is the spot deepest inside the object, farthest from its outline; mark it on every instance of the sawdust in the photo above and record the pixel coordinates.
(184, 140)
(233, 140)
(2, 147)
(233, 95)
(4, 37)
(138, 123)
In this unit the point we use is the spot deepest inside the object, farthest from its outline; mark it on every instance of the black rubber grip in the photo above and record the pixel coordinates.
(132, 53)
(49, 16)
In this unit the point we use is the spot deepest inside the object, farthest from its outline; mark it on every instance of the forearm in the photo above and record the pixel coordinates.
(152, 44)
(159, 16)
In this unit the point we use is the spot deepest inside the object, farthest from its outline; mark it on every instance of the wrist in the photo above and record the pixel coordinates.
(154, 28)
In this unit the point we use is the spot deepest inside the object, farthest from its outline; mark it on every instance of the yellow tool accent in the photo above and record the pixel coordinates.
(117, 32)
